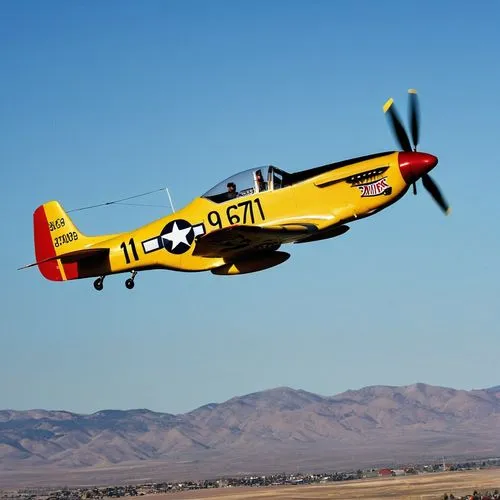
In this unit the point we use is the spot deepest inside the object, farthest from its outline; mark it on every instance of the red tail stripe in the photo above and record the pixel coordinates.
(71, 270)
(44, 248)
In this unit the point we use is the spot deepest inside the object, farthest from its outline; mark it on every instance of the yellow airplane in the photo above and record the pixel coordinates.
(238, 226)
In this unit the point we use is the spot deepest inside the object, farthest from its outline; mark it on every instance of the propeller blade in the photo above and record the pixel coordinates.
(414, 116)
(397, 126)
(434, 191)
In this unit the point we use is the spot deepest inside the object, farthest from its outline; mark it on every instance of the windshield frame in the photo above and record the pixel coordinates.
(246, 183)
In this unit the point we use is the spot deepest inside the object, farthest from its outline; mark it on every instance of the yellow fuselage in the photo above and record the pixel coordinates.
(324, 201)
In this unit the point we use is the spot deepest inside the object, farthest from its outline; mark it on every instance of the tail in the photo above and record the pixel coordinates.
(60, 248)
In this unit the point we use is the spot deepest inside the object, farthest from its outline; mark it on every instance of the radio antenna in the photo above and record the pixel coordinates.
(170, 199)
(116, 202)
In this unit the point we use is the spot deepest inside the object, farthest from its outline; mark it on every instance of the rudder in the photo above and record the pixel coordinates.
(56, 234)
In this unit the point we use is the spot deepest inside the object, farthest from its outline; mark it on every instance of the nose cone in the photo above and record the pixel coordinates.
(413, 165)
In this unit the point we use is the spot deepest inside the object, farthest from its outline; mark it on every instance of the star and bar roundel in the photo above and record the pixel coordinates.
(176, 237)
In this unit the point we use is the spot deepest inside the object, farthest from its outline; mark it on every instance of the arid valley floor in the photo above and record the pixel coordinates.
(425, 486)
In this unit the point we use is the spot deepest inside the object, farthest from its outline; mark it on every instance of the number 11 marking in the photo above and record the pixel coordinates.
(123, 246)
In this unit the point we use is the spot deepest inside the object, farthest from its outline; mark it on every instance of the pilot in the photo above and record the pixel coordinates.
(260, 181)
(231, 190)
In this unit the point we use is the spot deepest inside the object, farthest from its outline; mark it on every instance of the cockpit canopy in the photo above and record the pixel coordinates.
(254, 180)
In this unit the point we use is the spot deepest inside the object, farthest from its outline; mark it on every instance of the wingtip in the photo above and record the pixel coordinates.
(448, 211)
(412, 91)
(388, 104)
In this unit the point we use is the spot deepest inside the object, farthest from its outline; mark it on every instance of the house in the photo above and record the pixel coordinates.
(385, 472)
(398, 472)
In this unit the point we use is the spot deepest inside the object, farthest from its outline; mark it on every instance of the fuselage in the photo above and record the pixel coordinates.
(333, 197)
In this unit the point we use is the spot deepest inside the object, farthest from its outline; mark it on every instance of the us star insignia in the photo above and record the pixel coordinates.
(176, 237)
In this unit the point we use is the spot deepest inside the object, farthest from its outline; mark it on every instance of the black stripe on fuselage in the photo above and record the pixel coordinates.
(294, 178)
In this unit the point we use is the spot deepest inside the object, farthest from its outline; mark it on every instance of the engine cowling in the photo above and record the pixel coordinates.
(252, 263)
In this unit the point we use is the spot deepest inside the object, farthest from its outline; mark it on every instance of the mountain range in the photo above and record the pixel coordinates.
(275, 430)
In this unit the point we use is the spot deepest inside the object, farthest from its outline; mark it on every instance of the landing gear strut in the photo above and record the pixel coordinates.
(130, 282)
(98, 283)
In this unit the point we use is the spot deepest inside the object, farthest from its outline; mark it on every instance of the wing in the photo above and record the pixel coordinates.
(236, 240)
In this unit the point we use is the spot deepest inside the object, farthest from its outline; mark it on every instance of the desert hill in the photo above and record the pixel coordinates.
(276, 429)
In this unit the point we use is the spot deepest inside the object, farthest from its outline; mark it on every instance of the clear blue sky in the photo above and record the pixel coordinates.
(101, 100)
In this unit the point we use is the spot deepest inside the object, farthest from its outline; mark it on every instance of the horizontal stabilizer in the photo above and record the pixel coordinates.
(72, 257)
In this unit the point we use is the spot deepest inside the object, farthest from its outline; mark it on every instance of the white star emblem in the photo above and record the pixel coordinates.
(177, 236)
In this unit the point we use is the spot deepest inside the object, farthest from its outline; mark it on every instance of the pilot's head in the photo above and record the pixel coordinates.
(231, 187)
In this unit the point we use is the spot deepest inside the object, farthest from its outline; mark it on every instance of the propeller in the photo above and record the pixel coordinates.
(414, 116)
(404, 142)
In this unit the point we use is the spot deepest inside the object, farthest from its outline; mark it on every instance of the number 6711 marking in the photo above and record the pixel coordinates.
(248, 212)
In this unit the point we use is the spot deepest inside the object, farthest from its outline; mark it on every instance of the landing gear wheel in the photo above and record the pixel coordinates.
(98, 283)
(130, 282)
